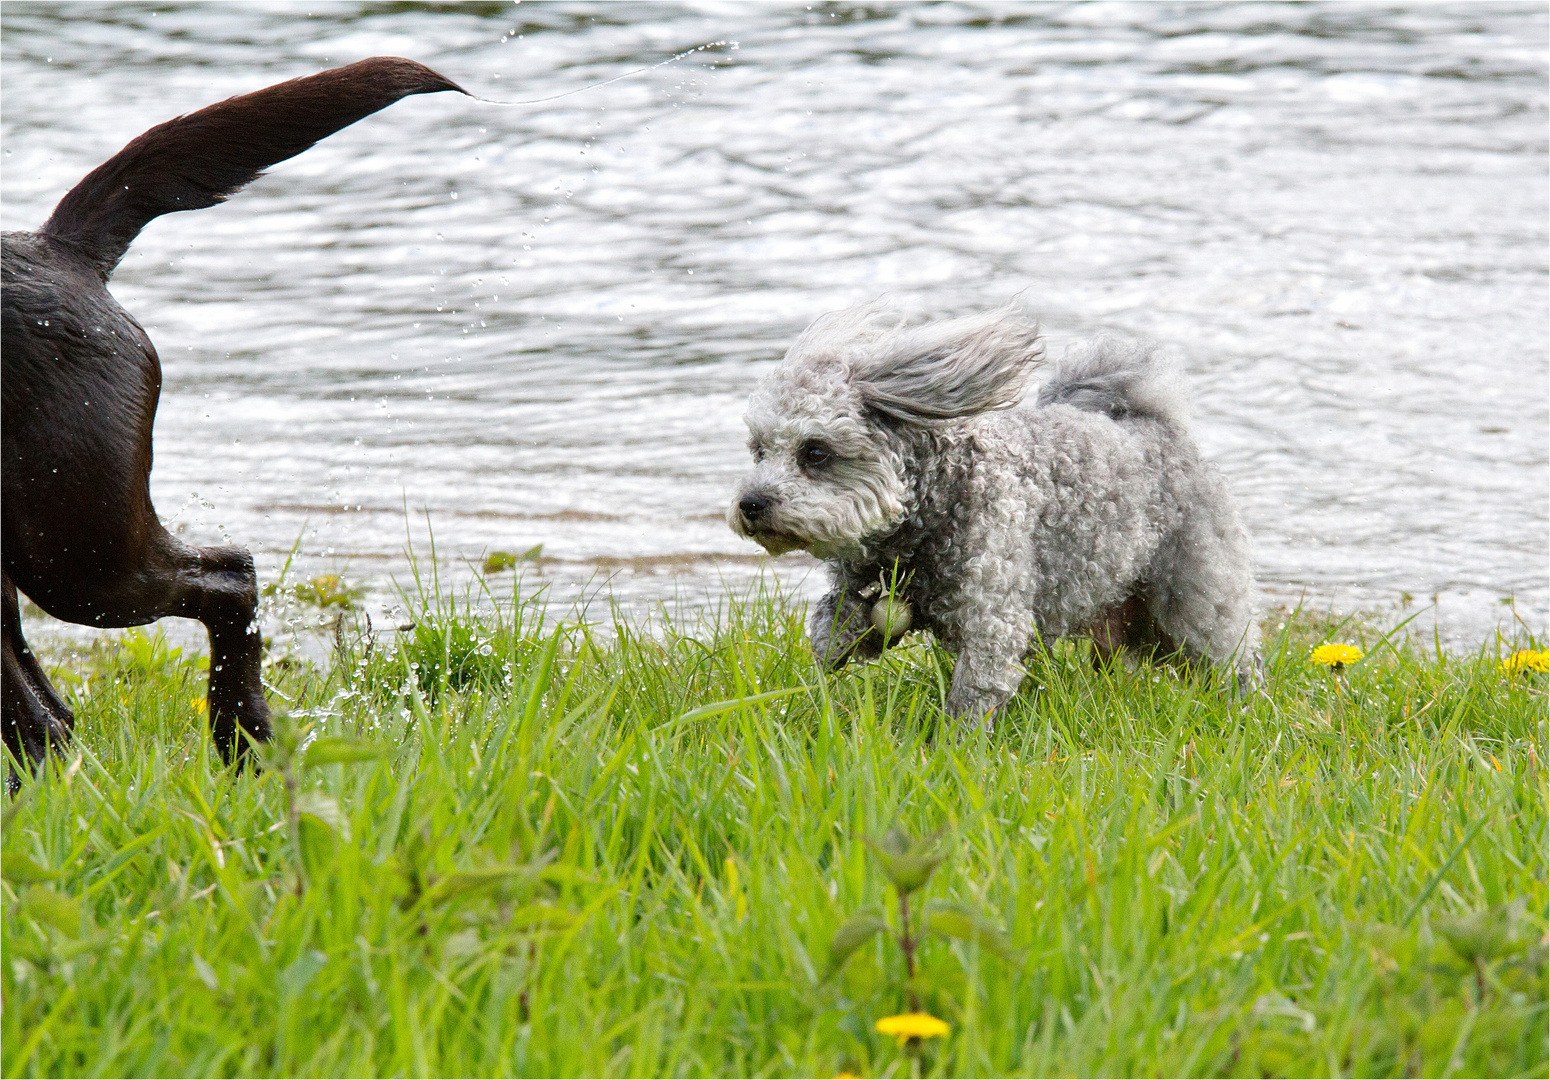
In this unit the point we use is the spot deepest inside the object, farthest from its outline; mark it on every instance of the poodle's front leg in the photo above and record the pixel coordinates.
(987, 673)
(841, 630)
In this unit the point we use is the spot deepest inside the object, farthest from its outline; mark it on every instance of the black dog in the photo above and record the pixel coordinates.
(80, 384)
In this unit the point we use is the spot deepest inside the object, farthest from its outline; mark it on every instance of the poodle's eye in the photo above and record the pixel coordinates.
(815, 455)
(757, 450)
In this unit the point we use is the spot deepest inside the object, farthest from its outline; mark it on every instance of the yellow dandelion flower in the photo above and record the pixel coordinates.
(1527, 660)
(1336, 655)
(907, 1026)
(199, 704)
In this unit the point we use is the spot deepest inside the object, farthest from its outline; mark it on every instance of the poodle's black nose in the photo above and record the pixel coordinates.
(753, 506)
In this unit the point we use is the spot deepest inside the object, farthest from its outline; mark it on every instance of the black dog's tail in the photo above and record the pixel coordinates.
(200, 159)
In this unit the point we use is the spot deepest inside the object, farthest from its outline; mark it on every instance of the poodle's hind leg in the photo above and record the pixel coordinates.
(1203, 597)
(1248, 676)
(1126, 625)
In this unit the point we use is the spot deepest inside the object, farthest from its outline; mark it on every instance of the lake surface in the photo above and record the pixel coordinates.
(538, 324)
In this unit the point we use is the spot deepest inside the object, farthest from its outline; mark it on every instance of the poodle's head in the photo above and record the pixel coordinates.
(831, 428)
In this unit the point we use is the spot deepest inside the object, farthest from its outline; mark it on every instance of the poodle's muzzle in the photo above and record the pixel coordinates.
(750, 516)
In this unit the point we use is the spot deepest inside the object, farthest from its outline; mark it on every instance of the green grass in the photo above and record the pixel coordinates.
(625, 854)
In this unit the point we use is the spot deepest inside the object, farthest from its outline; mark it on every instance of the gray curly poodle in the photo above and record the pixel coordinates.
(897, 451)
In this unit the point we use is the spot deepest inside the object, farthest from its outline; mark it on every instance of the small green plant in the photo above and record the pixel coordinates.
(152, 654)
(908, 863)
(312, 816)
(323, 591)
(496, 561)
(329, 590)
(1484, 938)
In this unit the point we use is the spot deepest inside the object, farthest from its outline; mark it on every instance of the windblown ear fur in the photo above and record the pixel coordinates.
(943, 370)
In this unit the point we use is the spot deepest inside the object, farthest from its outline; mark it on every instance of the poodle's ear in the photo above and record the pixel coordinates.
(944, 370)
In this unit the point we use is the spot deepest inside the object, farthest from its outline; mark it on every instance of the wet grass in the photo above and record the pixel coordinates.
(525, 850)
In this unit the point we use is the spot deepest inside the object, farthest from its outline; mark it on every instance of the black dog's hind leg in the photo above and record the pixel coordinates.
(224, 596)
(34, 716)
(217, 586)
(113, 584)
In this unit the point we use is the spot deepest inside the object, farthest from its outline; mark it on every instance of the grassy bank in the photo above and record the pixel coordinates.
(568, 853)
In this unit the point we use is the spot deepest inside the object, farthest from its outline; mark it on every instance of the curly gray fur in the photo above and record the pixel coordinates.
(1122, 381)
(892, 451)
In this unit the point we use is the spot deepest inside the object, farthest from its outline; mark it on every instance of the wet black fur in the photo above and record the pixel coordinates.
(80, 385)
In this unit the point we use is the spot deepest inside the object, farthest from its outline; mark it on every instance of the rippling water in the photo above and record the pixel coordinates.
(538, 324)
